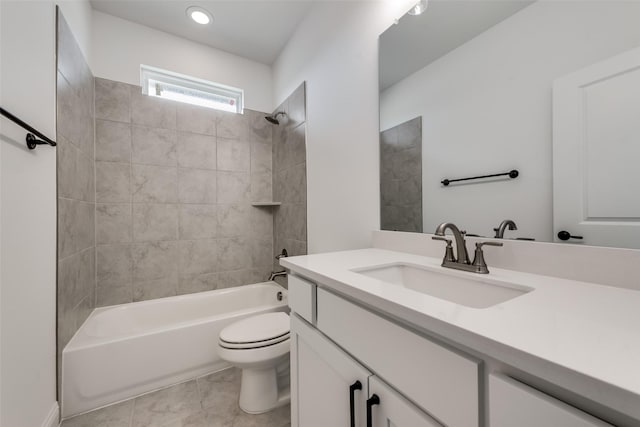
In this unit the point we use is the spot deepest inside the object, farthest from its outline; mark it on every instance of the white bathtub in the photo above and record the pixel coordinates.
(126, 350)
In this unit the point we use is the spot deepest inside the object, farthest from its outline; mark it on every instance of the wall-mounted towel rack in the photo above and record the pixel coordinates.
(512, 174)
(32, 141)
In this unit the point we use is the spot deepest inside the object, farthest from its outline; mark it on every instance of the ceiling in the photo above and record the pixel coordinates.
(254, 29)
(417, 41)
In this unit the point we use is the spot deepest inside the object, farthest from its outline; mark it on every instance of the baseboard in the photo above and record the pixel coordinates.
(53, 418)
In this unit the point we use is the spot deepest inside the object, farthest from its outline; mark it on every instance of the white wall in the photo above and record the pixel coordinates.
(27, 216)
(120, 46)
(78, 14)
(335, 50)
(486, 108)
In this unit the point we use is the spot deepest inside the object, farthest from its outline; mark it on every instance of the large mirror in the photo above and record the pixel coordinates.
(526, 111)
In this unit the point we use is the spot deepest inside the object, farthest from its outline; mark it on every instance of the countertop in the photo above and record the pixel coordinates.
(581, 336)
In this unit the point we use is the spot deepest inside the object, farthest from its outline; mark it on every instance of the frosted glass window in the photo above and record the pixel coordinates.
(190, 90)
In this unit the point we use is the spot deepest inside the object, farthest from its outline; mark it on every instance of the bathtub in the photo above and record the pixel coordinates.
(126, 350)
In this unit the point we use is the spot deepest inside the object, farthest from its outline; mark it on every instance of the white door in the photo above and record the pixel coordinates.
(328, 387)
(385, 407)
(596, 153)
(512, 403)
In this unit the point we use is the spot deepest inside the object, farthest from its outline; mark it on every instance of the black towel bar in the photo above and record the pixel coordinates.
(512, 174)
(32, 141)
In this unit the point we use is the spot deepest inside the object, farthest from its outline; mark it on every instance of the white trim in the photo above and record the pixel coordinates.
(53, 418)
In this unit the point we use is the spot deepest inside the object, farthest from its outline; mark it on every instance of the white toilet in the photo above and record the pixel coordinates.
(259, 345)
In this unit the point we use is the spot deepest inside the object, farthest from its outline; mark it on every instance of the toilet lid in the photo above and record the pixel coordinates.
(256, 329)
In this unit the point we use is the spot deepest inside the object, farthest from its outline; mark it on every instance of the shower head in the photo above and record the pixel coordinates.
(274, 117)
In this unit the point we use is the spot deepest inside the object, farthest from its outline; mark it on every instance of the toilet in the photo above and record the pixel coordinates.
(259, 345)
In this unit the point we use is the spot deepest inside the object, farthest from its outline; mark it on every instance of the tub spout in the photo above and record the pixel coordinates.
(275, 274)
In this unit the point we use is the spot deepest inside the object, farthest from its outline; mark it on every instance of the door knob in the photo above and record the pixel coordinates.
(565, 235)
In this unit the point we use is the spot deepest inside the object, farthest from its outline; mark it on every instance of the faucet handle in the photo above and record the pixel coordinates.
(283, 254)
(479, 263)
(448, 254)
(479, 245)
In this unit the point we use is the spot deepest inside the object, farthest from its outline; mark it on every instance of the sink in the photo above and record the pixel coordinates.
(481, 292)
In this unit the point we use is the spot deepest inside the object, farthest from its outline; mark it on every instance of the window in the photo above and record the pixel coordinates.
(168, 85)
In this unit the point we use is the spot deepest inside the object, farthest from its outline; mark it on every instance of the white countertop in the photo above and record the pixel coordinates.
(587, 334)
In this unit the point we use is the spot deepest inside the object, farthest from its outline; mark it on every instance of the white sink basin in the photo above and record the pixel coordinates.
(475, 292)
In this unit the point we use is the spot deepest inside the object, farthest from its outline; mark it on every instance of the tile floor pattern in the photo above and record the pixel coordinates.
(209, 401)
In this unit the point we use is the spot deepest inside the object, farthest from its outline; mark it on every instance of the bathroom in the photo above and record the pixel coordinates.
(153, 263)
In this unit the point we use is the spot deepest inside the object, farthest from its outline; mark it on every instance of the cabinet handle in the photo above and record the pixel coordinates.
(352, 401)
(373, 400)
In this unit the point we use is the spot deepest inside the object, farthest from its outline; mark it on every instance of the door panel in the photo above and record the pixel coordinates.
(596, 146)
(323, 376)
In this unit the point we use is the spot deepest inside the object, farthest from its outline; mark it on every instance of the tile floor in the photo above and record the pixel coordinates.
(209, 401)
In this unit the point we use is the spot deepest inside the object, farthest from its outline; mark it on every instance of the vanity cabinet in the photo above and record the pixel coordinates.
(431, 362)
(403, 378)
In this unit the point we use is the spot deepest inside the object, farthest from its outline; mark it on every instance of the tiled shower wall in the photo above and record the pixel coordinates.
(401, 177)
(174, 186)
(75, 186)
(290, 177)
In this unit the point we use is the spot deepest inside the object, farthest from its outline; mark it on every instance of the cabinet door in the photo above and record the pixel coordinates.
(511, 403)
(387, 408)
(322, 381)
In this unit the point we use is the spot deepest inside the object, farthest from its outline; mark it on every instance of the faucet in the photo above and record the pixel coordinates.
(503, 226)
(282, 273)
(275, 274)
(461, 246)
(461, 262)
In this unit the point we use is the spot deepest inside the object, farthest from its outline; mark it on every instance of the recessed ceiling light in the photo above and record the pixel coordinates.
(419, 8)
(199, 15)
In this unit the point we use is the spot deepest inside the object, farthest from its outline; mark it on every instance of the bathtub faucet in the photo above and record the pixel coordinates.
(275, 274)
(282, 273)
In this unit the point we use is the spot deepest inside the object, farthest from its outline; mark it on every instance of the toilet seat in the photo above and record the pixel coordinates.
(249, 346)
(255, 332)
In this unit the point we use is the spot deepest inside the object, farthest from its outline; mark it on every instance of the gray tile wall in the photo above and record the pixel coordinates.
(401, 177)
(290, 177)
(174, 186)
(75, 186)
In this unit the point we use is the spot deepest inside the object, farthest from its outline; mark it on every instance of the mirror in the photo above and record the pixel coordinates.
(527, 111)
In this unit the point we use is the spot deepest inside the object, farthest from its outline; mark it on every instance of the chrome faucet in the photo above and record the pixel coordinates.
(503, 226)
(461, 262)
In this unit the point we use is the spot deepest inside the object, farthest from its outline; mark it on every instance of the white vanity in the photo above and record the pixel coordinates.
(377, 341)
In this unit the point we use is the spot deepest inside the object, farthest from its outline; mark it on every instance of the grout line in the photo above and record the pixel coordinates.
(95, 201)
(131, 263)
(76, 253)
(133, 409)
